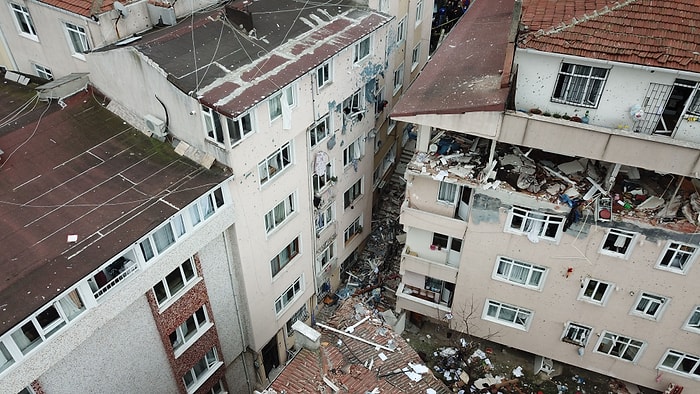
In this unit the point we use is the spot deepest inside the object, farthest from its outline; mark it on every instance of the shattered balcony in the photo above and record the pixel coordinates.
(605, 191)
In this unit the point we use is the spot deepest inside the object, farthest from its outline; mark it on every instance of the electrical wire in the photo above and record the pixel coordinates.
(38, 122)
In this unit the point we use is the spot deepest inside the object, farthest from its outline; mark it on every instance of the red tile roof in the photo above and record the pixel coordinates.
(659, 33)
(82, 7)
(347, 364)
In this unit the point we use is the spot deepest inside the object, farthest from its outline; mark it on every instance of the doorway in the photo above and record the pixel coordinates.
(270, 356)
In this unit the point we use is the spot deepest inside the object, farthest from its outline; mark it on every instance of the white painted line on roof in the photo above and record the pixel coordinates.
(15, 189)
(168, 203)
(95, 156)
(126, 179)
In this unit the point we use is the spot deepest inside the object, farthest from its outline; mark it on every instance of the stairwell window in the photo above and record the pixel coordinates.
(649, 306)
(576, 334)
(618, 243)
(619, 346)
(361, 49)
(419, 12)
(280, 213)
(325, 257)
(275, 163)
(24, 22)
(401, 31)
(289, 295)
(78, 39)
(579, 85)
(187, 333)
(415, 57)
(398, 78)
(536, 225)
(352, 194)
(677, 257)
(595, 291)
(175, 282)
(202, 370)
(353, 229)
(681, 363)
(519, 273)
(693, 322)
(508, 315)
(239, 128)
(284, 257)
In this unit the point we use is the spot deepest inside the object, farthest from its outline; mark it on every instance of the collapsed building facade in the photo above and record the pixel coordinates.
(552, 203)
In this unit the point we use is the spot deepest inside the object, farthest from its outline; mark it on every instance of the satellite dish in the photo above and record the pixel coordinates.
(123, 11)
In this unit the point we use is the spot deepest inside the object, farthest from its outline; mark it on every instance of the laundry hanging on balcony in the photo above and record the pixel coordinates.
(320, 162)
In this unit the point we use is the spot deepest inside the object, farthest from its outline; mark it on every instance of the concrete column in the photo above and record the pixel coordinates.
(423, 140)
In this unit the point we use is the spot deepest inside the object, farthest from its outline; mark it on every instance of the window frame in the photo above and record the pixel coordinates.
(324, 74)
(506, 276)
(617, 340)
(353, 193)
(20, 11)
(43, 72)
(324, 218)
(628, 246)
(321, 183)
(290, 93)
(285, 256)
(323, 124)
(528, 217)
(354, 151)
(210, 365)
(80, 33)
(214, 132)
(354, 103)
(236, 128)
(675, 249)
(289, 204)
(358, 52)
(325, 257)
(284, 160)
(580, 329)
(398, 78)
(401, 30)
(524, 326)
(200, 327)
(171, 296)
(692, 323)
(592, 297)
(649, 300)
(681, 357)
(283, 302)
(353, 230)
(444, 188)
(415, 57)
(419, 12)
(568, 79)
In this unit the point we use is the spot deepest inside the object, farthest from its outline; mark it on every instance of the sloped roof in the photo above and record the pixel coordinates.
(77, 170)
(232, 70)
(658, 33)
(466, 72)
(83, 7)
(344, 364)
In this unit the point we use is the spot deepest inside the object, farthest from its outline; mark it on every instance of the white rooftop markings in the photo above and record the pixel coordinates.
(307, 22)
(18, 186)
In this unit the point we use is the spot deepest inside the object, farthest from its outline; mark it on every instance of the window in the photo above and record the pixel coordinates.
(218, 388)
(353, 152)
(191, 329)
(693, 322)
(415, 57)
(618, 346)
(681, 363)
(323, 74)
(164, 237)
(401, 31)
(277, 215)
(694, 107)
(320, 130)
(275, 163)
(284, 257)
(617, 243)
(649, 305)
(440, 240)
(677, 257)
(384, 166)
(212, 125)
(361, 50)
(110, 275)
(353, 229)
(175, 282)
(289, 295)
(579, 85)
(508, 315)
(320, 182)
(391, 127)
(326, 256)
(23, 20)
(519, 273)
(239, 128)
(6, 359)
(352, 194)
(576, 334)
(353, 104)
(379, 103)
(535, 224)
(324, 218)
(78, 38)
(284, 98)
(419, 11)
(595, 291)
(300, 315)
(384, 5)
(447, 193)
(43, 72)
(202, 370)
(398, 78)
(205, 206)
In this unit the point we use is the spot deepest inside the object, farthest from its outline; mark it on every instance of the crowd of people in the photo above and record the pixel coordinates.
(446, 13)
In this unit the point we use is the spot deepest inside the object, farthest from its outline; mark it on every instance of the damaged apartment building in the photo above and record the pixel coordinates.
(288, 103)
(553, 201)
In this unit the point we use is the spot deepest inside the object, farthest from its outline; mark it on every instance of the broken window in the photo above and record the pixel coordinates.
(579, 85)
(618, 243)
(649, 305)
(519, 272)
(353, 152)
(239, 128)
(536, 225)
(440, 240)
(212, 125)
(275, 163)
(619, 346)
(320, 130)
(576, 334)
(595, 291)
(510, 315)
(285, 98)
(677, 257)
(681, 363)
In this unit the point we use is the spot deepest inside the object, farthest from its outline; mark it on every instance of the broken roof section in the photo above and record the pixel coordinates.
(78, 170)
(380, 361)
(469, 72)
(237, 56)
(638, 195)
(616, 30)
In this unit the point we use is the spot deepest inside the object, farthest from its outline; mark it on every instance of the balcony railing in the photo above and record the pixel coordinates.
(443, 270)
(127, 270)
(421, 301)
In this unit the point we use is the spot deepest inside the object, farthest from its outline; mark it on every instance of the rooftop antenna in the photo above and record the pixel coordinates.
(123, 11)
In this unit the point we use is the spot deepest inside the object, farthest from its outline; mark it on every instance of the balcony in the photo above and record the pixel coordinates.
(444, 270)
(416, 218)
(425, 302)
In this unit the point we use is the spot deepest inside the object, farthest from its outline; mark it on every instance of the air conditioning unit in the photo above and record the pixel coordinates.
(155, 125)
